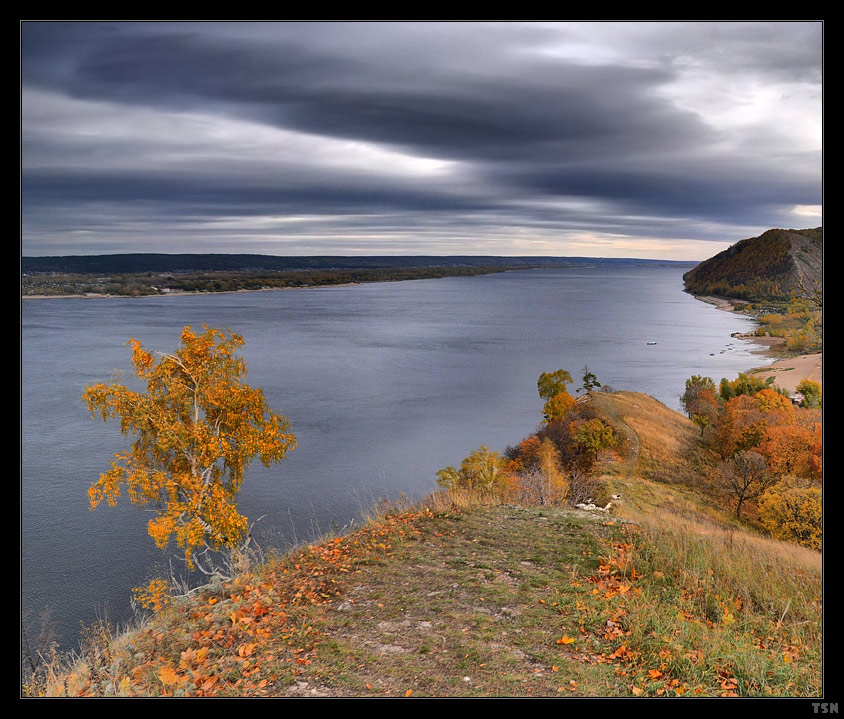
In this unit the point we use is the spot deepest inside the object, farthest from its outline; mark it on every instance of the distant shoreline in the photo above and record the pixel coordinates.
(86, 286)
(185, 293)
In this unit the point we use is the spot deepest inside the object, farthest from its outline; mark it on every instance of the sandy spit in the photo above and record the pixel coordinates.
(788, 373)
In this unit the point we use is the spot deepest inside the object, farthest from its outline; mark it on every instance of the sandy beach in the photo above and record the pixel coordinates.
(722, 303)
(788, 373)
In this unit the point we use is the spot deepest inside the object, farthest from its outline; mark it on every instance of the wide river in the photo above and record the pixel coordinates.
(384, 383)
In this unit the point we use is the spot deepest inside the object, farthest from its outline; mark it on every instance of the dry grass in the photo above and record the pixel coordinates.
(666, 439)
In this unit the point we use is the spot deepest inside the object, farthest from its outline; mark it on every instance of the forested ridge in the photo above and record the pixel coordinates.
(775, 266)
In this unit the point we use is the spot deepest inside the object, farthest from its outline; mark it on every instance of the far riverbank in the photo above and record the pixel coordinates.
(185, 293)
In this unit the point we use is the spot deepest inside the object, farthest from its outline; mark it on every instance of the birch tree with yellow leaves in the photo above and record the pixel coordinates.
(194, 431)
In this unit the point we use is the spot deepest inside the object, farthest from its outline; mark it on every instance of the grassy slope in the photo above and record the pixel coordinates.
(475, 597)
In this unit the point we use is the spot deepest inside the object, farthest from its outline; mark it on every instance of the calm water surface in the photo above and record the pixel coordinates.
(384, 383)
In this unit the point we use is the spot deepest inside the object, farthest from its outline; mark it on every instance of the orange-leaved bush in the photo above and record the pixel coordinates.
(195, 430)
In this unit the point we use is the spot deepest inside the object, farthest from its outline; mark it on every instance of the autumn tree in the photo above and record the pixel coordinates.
(792, 511)
(549, 465)
(698, 396)
(746, 384)
(482, 469)
(744, 476)
(540, 479)
(700, 402)
(593, 435)
(195, 430)
(576, 452)
(561, 432)
(811, 391)
(558, 407)
(552, 388)
(703, 421)
(553, 383)
(770, 401)
(742, 425)
(525, 456)
(789, 449)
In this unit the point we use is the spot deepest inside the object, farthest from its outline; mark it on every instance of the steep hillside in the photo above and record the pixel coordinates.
(773, 266)
(472, 595)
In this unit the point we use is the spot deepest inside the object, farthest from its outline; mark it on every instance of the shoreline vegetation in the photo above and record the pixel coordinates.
(49, 286)
(788, 368)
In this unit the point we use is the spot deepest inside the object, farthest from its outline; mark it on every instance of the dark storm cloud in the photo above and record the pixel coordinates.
(548, 126)
(499, 108)
(215, 196)
(689, 188)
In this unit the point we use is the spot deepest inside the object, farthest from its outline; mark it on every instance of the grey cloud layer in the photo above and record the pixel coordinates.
(527, 121)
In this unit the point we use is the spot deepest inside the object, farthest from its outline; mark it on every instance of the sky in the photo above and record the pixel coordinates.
(652, 140)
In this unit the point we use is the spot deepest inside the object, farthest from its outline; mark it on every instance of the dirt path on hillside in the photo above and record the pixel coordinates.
(635, 445)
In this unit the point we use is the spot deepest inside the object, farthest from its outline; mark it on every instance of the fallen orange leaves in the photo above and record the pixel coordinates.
(209, 684)
(247, 621)
(729, 683)
(169, 677)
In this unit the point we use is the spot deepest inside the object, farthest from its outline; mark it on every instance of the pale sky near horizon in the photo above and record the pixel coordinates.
(653, 140)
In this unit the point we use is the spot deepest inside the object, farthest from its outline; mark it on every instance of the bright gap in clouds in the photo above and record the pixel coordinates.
(104, 135)
(808, 211)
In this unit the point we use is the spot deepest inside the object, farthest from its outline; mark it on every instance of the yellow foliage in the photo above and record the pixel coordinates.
(539, 479)
(155, 595)
(549, 463)
(792, 511)
(194, 431)
(769, 401)
(594, 435)
(482, 469)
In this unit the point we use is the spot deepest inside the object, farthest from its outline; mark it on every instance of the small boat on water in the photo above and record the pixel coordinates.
(651, 343)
